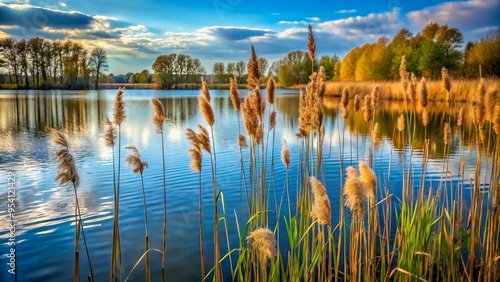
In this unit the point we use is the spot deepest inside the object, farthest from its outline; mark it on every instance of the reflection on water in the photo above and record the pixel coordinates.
(44, 211)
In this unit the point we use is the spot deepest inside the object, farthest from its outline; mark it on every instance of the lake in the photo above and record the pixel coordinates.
(45, 211)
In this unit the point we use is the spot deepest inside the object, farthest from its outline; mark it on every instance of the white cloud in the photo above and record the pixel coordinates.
(62, 4)
(463, 14)
(314, 19)
(288, 22)
(344, 11)
(372, 25)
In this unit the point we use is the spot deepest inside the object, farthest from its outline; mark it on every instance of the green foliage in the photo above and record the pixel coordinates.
(173, 69)
(219, 72)
(294, 69)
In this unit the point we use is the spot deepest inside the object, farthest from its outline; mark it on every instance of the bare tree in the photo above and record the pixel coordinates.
(98, 62)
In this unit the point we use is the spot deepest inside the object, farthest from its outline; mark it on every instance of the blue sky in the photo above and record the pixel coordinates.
(134, 33)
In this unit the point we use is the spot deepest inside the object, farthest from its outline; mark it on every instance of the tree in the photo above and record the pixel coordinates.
(143, 76)
(432, 59)
(240, 69)
(98, 63)
(336, 71)
(399, 47)
(363, 71)
(22, 54)
(484, 53)
(231, 69)
(9, 51)
(263, 64)
(348, 64)
(329, 64)
(163, 68)
(294, 68)
(132, 79)
(218, 70)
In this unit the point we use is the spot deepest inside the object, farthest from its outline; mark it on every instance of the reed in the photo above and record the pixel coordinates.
(159, 121)
(119, 116)
(199, 142)
(68, 175)
(206, 110)
(138, 166)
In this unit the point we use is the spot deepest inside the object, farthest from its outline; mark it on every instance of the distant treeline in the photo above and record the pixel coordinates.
(39, 63)
(426, 52)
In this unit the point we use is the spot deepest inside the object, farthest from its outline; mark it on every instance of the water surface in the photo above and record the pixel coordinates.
(45, 211)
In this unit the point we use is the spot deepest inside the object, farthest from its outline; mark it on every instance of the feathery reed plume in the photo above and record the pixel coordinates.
(479, 112)
(67, 172)
(490, 101)
(262, 241)
(460, 120)
(253, 71)
(357, 102)
(369, 179)
(250, 117)
(413, 87)
(401, 123)
(204, 89)
(256, 102)
(203, 139)
(259, 135)
(374, 96)
(301, 133)
(119, 107)
(321, 83)
(195, 154)
(192, 137)
(320, 210)
(311, 103)
(344, 103)
(355, 193)
(479, 103)
(270, 89)
(158, 114)
(134, 160)
(285, 155)
(482, 133)
(496, 120)
(109, 133)
(481, 91)
(233, 93)
(403, 74)
(423, 93)
(376, 134)
(242, 141)
(368, 109)
(311, 44)
(272, 120)
(446, 133)
(446, 80)
(206, 110)
(425, 117)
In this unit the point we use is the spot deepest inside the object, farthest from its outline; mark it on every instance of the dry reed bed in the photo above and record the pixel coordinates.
(392, 89)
